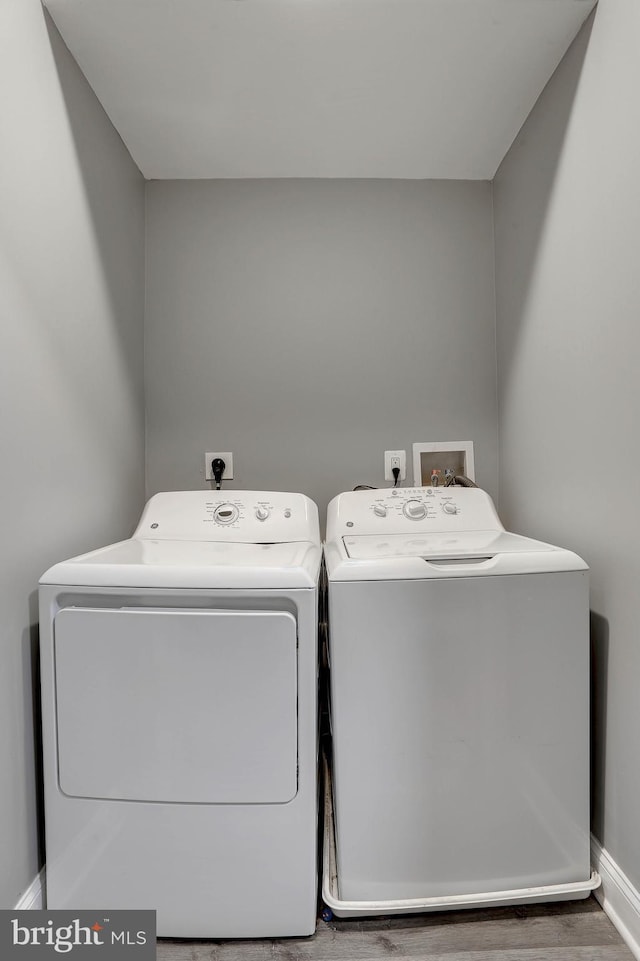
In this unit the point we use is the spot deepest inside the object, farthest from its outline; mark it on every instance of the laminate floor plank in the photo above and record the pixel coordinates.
(572, 931)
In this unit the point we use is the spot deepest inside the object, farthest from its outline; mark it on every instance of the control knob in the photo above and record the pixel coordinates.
(450, 508)
(414, 510)
(379, 510)
(225, 514)
(262, 513)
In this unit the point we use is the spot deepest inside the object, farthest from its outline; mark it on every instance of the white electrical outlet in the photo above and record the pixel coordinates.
(395, 458)
(227, 457)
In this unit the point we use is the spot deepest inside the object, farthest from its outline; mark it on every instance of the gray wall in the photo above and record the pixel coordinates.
(71, 431)
(308, 326)
(567, 219)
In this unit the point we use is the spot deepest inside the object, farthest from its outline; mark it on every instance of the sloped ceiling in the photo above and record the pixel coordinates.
(318, 88)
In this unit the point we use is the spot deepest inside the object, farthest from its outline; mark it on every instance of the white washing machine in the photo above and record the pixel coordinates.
(459, 683)
(179, 692)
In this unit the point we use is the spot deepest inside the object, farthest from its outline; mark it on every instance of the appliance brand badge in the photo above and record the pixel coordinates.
(106, 935)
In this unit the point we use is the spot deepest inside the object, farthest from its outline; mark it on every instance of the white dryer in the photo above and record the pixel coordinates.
(179, 701)
(459, 683)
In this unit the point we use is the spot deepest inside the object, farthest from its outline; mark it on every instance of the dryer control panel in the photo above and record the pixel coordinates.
(252, 517)
(400, 510)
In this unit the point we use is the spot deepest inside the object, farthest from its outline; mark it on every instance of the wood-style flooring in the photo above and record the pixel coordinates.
(568, 931)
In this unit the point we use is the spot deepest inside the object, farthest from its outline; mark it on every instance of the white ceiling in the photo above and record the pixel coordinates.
(318, 88)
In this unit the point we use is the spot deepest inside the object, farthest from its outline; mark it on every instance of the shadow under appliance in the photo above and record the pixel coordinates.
(179, 715)
(459, 708)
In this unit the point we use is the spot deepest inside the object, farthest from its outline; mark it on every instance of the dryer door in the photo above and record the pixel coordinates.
(176, 705)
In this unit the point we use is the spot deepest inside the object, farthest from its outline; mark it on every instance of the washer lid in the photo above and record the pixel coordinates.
(460, 544)
(142, 562)
(395, 557)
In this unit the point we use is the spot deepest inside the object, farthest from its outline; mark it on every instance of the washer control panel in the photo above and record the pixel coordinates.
(241, 516)
(399, 510)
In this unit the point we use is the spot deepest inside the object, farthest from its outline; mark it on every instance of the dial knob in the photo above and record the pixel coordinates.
(262, 513)
(379, 510)
(414, 510)
(450, 508)
(226, 514)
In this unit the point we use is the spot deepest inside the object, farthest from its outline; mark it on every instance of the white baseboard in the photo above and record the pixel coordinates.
(33, 898)
(618, 897)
